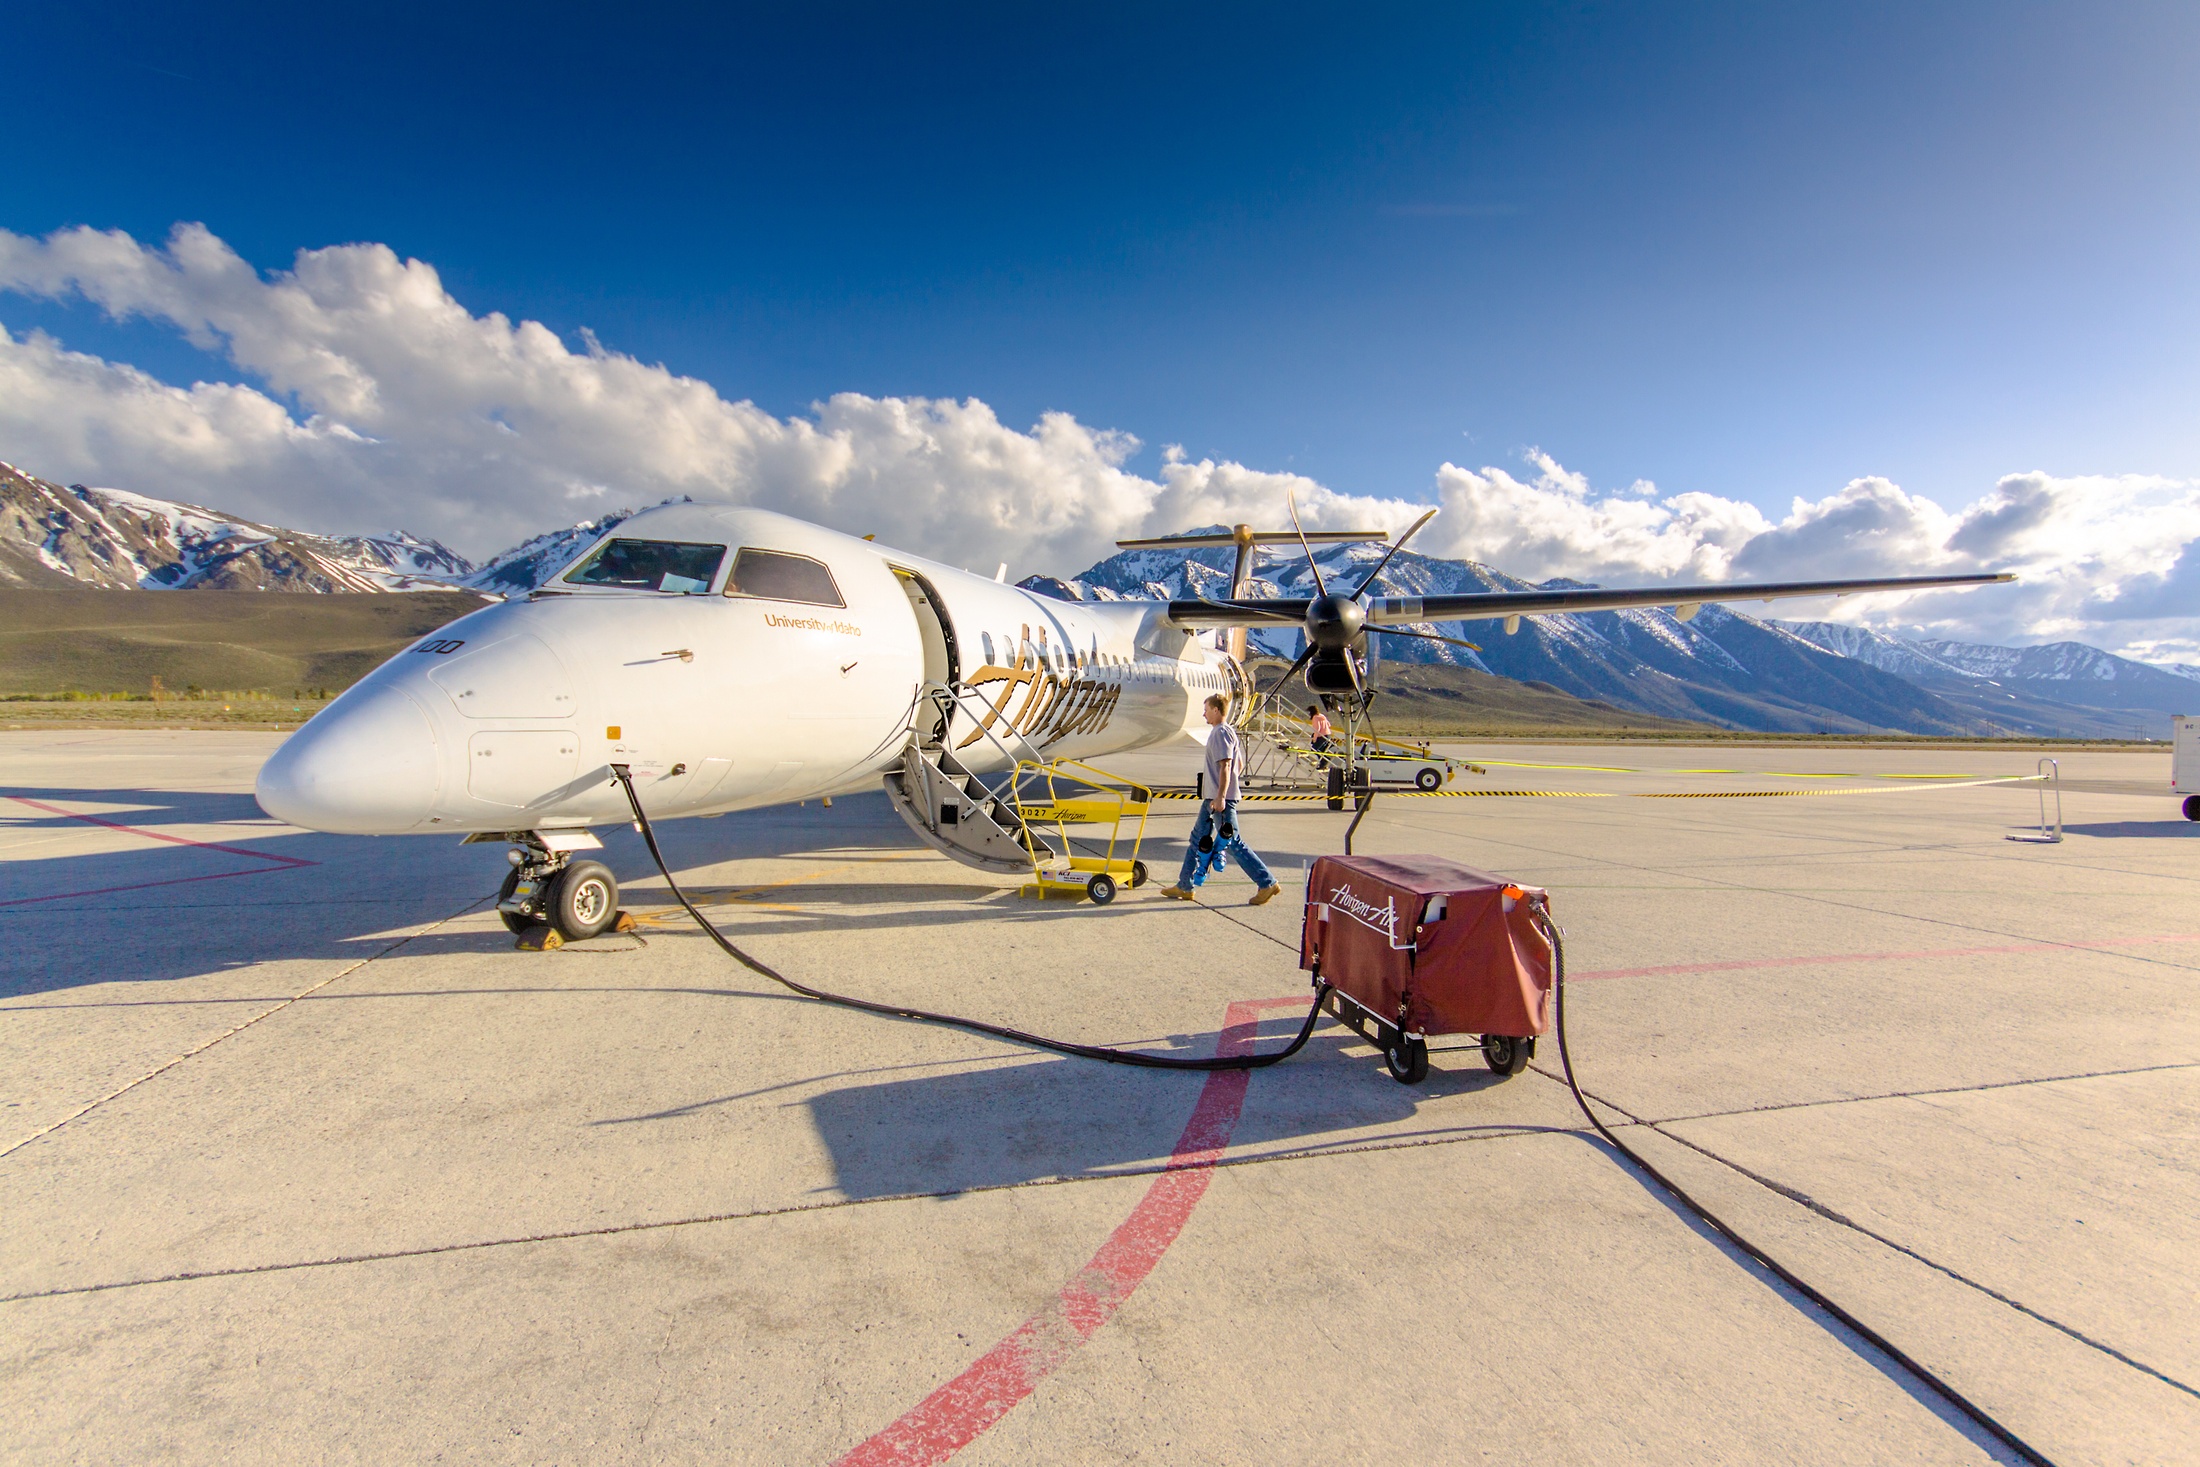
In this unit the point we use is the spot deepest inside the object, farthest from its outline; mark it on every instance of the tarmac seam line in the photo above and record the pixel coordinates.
(1507, 1133)
(1807, 1201)
(1804, 1199)
(200, 1049)
(1717, 1115)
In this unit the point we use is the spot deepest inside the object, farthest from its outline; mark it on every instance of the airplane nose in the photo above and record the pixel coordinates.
(364, 768)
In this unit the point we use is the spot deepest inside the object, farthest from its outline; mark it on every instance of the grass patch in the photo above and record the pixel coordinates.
(272, 643)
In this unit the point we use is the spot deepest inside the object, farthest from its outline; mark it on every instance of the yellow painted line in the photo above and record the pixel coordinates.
(704, 896)
(1759, 773)
(1592, 768)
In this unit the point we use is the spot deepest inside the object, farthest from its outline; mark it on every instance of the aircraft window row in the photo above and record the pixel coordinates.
(773, 575)
(650, 565)
(1059, 659)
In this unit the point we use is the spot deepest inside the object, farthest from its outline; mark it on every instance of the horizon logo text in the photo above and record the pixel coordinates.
(1383, 919)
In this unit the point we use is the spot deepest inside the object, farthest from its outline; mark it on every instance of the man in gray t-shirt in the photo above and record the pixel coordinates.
(1217, 821)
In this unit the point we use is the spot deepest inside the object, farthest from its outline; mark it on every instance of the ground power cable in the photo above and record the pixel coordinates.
(1552, 933)
(1556, 936)
(621, 773)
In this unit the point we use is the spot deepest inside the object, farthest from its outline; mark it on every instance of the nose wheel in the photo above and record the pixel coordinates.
(577, 899)
(584, 900)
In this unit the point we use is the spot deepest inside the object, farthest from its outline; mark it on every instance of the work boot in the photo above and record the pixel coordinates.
(1177, 892)
(1266, 893)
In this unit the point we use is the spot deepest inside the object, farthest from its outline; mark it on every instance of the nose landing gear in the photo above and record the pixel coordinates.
(549, 889)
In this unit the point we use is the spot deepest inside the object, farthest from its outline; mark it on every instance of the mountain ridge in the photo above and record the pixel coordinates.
(116, 540)
(2081, 689)
(1719, 667)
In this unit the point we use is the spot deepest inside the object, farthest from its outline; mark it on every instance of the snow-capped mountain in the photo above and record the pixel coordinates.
(50, 535)
(116, 540)
(531, 562)
(1720, 667)
(2059, 674)
(1888, 654)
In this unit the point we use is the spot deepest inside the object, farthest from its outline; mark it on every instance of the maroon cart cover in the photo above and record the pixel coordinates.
(1450, 949)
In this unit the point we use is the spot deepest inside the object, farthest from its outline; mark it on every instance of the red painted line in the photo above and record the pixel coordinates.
(62, 896)
(279, 863)
(1743, 964)
(959, 1412)
(174, 840)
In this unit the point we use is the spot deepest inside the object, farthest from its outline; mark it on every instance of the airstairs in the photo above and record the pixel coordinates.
(1278, 755)
(953, 810)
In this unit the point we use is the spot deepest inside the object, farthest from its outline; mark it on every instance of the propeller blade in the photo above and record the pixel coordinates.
(1291, 501)
(1288, 673)
(1395, 546)
(1426, 637)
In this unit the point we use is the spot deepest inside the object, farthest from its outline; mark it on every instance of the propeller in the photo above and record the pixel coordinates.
(1291, 502)
(1395, 546)
(1426, 637)
(1333, 622)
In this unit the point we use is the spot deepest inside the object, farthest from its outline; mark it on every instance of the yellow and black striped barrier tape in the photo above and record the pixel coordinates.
(1253, 797)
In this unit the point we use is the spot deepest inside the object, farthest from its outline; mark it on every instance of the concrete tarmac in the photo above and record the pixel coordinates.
(302, 1160)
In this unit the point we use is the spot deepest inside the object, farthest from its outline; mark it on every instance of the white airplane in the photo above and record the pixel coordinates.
(733, 658)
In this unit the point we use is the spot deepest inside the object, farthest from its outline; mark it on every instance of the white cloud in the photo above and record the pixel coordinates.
(2100, 558)
(416, 413)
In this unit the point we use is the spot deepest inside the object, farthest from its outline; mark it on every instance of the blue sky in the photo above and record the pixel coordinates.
(1752, 251)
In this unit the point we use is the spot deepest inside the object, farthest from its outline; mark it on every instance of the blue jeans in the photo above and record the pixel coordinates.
(1249, 863)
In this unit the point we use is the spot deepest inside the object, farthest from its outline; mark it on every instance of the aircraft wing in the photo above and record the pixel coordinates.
(1488, 605)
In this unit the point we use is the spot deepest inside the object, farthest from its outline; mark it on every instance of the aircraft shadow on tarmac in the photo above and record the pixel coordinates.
(157, 901)
(198, 883)
(1051, 1118)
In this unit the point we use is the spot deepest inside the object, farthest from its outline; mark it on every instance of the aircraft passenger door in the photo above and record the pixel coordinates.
(942, 660)
(1241, 691)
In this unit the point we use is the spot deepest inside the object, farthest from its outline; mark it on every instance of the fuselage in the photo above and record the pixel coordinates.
(731, 658)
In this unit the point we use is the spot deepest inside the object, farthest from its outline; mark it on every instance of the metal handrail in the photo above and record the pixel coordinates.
(954, 694)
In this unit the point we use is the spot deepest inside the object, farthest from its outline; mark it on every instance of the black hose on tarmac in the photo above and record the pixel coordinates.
(1945, 1391)
(620, 772)
(1557, 939)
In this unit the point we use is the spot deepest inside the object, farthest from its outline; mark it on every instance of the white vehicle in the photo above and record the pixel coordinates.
(733, 658)
(2184, 762)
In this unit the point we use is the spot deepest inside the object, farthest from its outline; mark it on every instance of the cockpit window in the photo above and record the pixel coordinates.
(650, 565)
(774, 575)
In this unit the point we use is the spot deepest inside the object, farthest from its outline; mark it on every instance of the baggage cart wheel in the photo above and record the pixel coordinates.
(584, 900)
(1505, 1054)
(1101, 889)
(1407, 1059)
(1429, 779)
(2192, 807)
(1138, 873)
